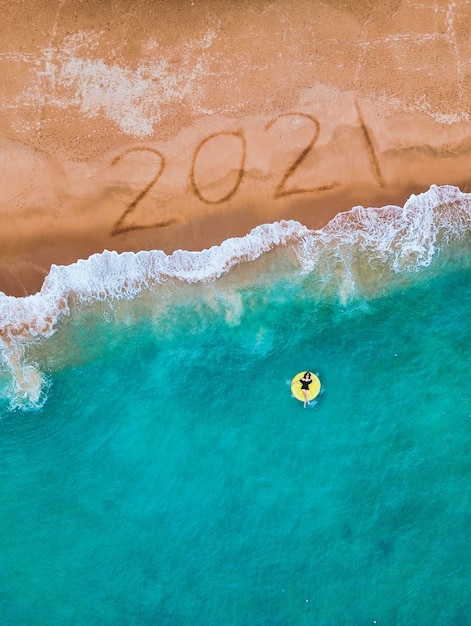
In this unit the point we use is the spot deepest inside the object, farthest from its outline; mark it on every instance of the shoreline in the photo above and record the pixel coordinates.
(24, 273)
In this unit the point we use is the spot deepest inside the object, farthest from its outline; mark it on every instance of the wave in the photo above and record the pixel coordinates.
(387, 240)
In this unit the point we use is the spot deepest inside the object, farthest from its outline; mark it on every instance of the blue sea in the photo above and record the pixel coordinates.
(155, 468)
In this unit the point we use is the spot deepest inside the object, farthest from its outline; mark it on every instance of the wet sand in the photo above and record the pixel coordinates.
(177, 125)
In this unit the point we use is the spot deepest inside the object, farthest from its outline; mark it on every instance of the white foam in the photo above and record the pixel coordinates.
(26, 388)
(403, 238)
(134, 98)
(111, 275)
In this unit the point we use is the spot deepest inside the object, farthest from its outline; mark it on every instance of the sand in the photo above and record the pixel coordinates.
(157, 125)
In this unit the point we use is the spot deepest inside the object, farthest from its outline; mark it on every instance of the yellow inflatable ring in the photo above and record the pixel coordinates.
(314, 387)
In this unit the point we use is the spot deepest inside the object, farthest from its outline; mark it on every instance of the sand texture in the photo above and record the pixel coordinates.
(159, 125)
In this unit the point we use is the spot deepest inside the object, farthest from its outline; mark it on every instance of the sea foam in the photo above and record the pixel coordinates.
(388, 239)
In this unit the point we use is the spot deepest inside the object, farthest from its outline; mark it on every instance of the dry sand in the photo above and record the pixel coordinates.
(139, 125)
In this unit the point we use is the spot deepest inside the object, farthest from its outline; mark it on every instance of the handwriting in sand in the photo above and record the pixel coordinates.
(284, 187)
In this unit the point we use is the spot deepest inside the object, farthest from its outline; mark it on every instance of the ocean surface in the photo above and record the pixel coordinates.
(155, 468)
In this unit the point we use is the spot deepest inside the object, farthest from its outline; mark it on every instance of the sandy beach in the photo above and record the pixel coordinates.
(162, 126)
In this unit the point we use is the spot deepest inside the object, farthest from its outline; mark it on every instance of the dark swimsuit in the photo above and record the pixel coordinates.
(305, 383)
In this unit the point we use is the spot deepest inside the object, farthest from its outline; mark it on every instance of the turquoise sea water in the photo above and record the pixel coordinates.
(155, 468)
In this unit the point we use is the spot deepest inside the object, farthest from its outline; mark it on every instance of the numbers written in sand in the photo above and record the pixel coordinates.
(207, 158)
(122, 224)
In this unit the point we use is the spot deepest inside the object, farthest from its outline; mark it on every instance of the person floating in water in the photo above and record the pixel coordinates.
(305, 381)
